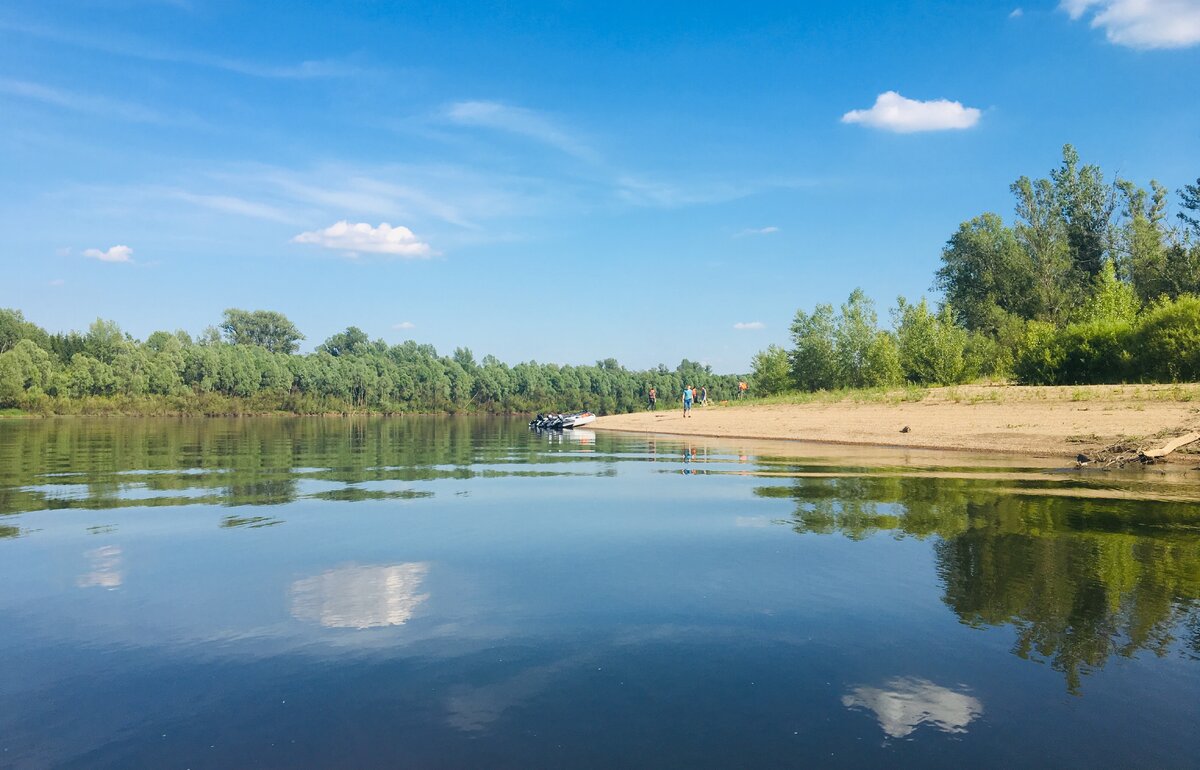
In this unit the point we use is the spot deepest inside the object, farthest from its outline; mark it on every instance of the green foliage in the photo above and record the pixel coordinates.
(1189, 201)
(107, 371)
(771, 371)
(1111, 300)
(813, 357)
(933, 349)
(265, 328)
(1167, 341)
(846, 350)
(985, 273)
(14, 328)
(1160, 345)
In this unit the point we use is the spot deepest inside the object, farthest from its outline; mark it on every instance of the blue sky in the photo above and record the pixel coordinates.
(562, 181)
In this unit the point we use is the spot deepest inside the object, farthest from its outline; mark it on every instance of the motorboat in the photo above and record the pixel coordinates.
(561, 421)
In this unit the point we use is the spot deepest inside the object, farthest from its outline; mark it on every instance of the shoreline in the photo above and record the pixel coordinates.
(1046, 422)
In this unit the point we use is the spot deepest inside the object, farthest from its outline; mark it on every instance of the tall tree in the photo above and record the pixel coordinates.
(1189, 198)
(265, 328)
(985, 273)
(1041, 234)
(1086, 205)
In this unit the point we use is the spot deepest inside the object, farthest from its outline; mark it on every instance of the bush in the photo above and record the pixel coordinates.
(1167, 341)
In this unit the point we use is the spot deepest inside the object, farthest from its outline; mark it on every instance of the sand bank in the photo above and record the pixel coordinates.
(1058, 422)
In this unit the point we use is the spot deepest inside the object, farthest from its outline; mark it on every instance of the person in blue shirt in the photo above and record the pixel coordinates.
(687, 401)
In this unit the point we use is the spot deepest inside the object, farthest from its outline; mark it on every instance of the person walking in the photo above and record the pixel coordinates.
(653, 398)
(703, 395)
(687, 401)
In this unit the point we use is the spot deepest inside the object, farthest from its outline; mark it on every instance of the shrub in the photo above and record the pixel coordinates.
(1167, 341)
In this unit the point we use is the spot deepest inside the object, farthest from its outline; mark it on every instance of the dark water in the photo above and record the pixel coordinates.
(453, 593)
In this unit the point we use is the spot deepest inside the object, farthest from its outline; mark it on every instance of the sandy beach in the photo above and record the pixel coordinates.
(1058, 422)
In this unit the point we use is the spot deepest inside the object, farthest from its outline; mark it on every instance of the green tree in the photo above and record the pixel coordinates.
(14, 328)
(1040, 232)
(985, 274)
(266, 328)
(864, 356)
(771, 371)
(933, 349)
(1189, 200)
(352, 341)
(813, 358)
(1086, 205)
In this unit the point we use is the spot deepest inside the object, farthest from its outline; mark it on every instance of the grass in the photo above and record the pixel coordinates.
(1134, 397)
(896, 395)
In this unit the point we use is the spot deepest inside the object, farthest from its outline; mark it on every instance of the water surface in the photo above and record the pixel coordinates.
(435, 592)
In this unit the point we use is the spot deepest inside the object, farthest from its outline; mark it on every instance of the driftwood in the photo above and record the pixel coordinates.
(1121, 454)
(1171, 446)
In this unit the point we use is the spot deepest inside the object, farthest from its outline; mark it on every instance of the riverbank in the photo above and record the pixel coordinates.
(1059, 422)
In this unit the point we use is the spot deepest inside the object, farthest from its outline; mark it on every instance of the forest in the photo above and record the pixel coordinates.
(250, 365)
(1091, 282)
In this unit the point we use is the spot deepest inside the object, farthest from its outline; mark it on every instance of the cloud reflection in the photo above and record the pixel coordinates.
(106, 568)
(360, 597)
(905, 703)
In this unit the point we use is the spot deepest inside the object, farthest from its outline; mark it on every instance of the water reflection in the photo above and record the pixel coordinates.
(360, 596)
(109, 464)
(903, 704)
(1080, 580)
(105, 571)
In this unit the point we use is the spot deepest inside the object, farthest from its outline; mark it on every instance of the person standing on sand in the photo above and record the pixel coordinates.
(703, 395)
(653, 398)
(687, 401)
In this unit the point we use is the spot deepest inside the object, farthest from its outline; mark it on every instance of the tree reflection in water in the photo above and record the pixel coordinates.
(1079, 579)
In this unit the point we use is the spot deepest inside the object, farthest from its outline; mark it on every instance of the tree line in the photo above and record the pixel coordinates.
(250, 364)
(1091, 282)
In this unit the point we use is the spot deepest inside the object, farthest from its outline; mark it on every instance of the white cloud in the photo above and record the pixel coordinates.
(353, 239)
(759, 231)
(893, 112)
(57, 282)
(112, 254)
(403, 325)
(749, 325)
(520, 121)
(1016, 13)
(1142, 23)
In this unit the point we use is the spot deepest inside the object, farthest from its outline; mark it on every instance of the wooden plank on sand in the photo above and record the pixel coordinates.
(1172, 446)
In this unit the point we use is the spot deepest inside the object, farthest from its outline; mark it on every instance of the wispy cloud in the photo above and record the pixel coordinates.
(355, 239)
(893, 112)
(80, 102)
(111, 254)
(140, 49)
(520, 121)
(758, 231)
(1016, 13)
(57, 282)
(1142, 23)
(745, 326)
(230, 204)
(404, 326)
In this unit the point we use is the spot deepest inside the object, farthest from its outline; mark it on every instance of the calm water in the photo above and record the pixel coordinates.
(452, 593)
